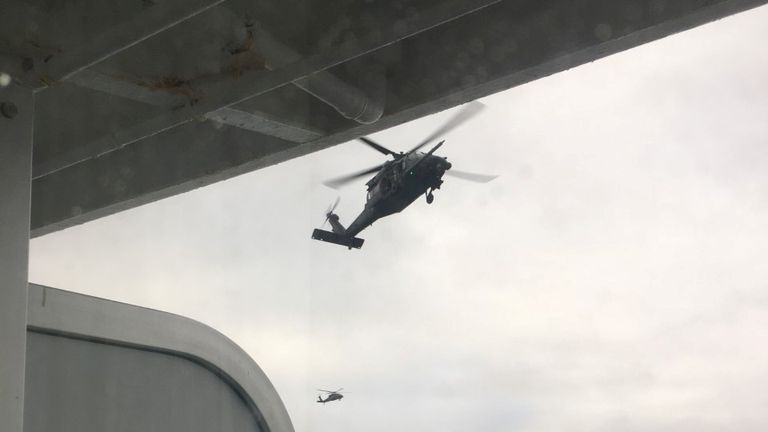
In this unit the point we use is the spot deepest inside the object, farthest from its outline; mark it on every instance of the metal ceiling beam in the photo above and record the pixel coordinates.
(265, 124)
(253, 121)
(227, 92)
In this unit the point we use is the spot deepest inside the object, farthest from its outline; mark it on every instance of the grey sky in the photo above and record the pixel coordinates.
(613, 277)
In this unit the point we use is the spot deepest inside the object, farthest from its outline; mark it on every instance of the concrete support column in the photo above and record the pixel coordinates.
(16, 123)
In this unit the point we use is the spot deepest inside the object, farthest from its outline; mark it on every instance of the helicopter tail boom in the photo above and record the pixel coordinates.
(336, 226)
(330, 237)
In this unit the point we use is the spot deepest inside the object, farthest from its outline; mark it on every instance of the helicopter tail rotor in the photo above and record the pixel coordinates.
(329, 211)
(337, 235)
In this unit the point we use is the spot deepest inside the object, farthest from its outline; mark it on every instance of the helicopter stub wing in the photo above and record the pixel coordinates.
(331, 237)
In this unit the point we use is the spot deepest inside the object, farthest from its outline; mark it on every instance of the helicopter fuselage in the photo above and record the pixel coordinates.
(330, 398)
(398, 184)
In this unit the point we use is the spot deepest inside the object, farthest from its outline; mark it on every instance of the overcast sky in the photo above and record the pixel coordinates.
(614, 277)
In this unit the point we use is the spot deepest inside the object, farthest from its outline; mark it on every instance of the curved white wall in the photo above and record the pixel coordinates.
(95, 365)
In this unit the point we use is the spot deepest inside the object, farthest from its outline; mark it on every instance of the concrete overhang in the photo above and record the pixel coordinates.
(137, 101)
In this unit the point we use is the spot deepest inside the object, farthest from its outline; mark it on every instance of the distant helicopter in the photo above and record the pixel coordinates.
(330, 396)
(397, 182)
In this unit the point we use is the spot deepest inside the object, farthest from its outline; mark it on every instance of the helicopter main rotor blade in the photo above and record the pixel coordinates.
(340, 181)
(378, 147)
(426, 155)
(478, 178)
(470, 110)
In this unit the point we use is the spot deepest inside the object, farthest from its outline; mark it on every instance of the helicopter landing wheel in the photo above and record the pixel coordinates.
(430, 198)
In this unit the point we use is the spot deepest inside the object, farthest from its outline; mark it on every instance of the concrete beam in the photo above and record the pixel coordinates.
(16, 124)
(538, 44)
(227, 92)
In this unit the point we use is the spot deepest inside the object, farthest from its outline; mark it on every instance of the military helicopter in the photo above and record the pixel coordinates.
(330, 396)
(398, 182)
